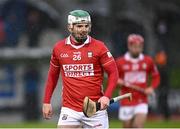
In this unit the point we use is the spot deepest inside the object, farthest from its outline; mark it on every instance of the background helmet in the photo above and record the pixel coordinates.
(135, 39)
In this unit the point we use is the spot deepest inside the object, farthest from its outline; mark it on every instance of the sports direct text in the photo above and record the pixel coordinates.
(78, 70)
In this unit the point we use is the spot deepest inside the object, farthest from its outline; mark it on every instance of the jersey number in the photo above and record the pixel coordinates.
(76, 57)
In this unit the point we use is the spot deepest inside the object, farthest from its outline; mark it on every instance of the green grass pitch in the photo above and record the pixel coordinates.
(113, 124)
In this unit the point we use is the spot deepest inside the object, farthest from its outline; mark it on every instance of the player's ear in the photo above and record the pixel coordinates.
(90, 25)
(69, 27)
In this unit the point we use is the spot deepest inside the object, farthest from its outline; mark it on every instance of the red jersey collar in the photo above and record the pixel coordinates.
(128, 57)
(88, 40)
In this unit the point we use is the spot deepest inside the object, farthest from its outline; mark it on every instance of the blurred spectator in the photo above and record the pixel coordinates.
(163, 90)
(14, 15)
(2, 33)
(162, 63)
(18, 17)
(7, 81)
(12, 25)
(34, 27)
(31, 81)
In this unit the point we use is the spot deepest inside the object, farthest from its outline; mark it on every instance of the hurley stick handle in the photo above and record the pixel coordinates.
(115, 99)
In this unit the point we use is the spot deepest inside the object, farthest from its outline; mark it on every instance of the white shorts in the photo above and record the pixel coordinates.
(72, 117)
(128, 112)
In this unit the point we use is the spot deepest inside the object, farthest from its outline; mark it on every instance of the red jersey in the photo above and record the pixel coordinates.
(81, 70)
(137, 71)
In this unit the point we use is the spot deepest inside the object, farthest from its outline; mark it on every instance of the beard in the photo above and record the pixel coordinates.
(80, 39)
(135, 55)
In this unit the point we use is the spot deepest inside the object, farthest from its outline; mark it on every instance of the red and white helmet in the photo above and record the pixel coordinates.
(135, 39)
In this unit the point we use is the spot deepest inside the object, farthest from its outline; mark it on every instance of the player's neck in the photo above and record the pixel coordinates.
(74, 42)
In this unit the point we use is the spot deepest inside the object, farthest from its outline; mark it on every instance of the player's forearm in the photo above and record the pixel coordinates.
(112, 72)
(51, 83)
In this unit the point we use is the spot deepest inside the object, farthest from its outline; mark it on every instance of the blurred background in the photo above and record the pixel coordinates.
(30, 28)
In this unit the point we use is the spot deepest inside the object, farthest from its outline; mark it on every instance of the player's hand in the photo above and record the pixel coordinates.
(104, 101)
(149, 91)
(47, 111)
(120, 82)
(127, 84)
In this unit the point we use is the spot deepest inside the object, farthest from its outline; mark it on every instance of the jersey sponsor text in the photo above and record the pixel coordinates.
(78, 70)
(135, 77)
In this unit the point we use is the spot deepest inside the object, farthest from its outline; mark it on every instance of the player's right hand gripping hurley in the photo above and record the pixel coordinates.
(90, 107)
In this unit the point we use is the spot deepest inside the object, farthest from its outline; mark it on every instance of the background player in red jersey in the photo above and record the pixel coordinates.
(134, 68)
(81, 60)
